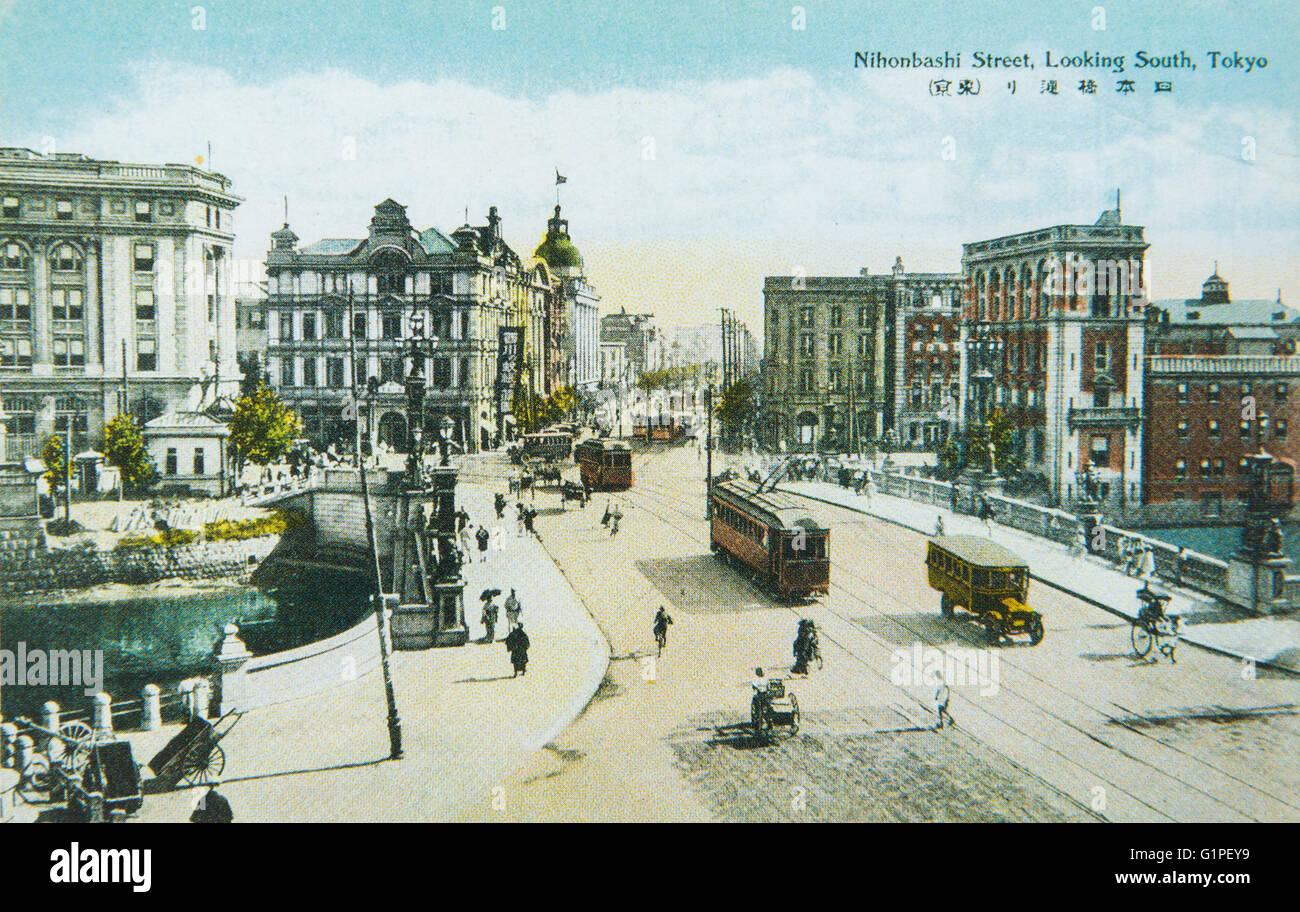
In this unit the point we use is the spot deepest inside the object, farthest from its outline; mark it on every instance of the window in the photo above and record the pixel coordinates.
(146, 355)
(1212, 428)
(170, 465)
(390, 370)
(392, 325)
(69, 352)
(1100, 356)
(390, 283)
(464, 372)
(65, 258)
(1180, 469)
(143, 211)
(63, 210)
(145, 310)
(834, 380)
(334, 373)
(199, 465)
(15, 304)
(66, 303)
(1212, 392)
(144, 257)
(1280, 391)
(805, 381)
(286, 326)
(862, 316)
(1245, 388)
(1183, 430)
(334, 325)
(15, 257)
(442, 373)
(806, 345)
(309, 326)
(864, 345)
(833, 345)
(10, 207)
(16, 353)
(308, 371)
(212, 308)
(1182, 392)
(1100, 451)
(837, 315)
(805, 316)
(1279, 429)
(1243, 430)
(359, 325)
(1217, 469)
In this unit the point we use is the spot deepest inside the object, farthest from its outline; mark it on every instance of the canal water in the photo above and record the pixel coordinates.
(166, 638)
(1220, 541)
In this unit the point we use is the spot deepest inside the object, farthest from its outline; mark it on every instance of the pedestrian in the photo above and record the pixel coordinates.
(462, 520)
(1079, 543)
(660, 629)
(213, 807)
(517, 645)
(869, 488)
(938, 526)
(482, 537)
(1169, 644)
(952, 498)
(513, 610)
(942, 696)
(530, 516)
(1146, 563)
(489, 620)
(586, 492)
(1180, 567)
(604, 520)
(987, 515)
(519, 518)
(499, 503)
(613, 522)
(466, 540)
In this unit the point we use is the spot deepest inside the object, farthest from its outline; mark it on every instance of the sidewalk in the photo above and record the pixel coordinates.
(467, 723)
(1206, 623)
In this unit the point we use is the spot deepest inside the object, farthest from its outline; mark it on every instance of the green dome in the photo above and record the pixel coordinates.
(558, 252)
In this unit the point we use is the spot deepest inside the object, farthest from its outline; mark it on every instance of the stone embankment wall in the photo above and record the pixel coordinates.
(29, 570)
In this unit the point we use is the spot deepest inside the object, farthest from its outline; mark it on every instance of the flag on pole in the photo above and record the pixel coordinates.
(560, 178)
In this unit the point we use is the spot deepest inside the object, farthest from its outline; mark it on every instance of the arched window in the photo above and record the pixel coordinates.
(390, 272)
(65, 258)
(15, 255)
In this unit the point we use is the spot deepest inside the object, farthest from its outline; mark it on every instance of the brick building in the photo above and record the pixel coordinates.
(1055, 338)
(1204, 413)
(106, 260)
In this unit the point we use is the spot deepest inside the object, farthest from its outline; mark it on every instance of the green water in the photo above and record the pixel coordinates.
(166, 639)
(1220, 541)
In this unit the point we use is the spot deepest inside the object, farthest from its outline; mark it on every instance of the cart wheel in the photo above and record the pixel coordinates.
(1035, 631)
(76, 749)
(1141, 640)
(945, 605)
(199, 771)
(36, 776)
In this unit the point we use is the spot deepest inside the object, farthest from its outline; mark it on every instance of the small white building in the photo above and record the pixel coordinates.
(189, 449)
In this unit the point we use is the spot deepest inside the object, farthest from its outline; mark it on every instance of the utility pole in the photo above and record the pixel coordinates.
(381, 615)
(67, 469)
(708, 449)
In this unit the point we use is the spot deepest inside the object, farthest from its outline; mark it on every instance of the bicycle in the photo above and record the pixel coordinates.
(1152, 624)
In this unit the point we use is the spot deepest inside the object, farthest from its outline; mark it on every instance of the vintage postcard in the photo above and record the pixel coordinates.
(583, 411)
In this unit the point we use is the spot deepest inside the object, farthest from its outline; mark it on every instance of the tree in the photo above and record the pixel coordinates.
(124, 448)
(254, 374)
(737, 409)
(55, 462)
(263, 428)
(1005, 436)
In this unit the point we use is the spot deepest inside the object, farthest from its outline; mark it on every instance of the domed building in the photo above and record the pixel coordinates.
(577, 324)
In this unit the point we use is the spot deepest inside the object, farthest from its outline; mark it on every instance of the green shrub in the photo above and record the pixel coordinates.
(172, 538)
(277, 523)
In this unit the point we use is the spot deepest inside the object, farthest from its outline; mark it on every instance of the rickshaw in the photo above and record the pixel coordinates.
(988, 580)
(194, 756)
(774, 708)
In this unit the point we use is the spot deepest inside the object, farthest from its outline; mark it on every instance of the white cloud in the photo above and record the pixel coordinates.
(748, 176)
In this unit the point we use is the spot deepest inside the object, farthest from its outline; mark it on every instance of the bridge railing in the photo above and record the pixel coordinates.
(267, 492)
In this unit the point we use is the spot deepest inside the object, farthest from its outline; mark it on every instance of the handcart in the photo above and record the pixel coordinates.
(194, 756)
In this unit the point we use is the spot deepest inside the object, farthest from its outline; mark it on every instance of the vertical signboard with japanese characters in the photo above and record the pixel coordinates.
(510, 342)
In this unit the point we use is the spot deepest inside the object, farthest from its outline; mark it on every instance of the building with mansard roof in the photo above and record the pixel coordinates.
(465, 293)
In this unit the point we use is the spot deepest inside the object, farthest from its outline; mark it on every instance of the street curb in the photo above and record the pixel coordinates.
(1286, 669)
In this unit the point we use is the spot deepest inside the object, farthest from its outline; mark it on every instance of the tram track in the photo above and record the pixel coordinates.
(668, 495)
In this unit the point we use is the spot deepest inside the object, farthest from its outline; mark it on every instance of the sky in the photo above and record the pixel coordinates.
(706, 144)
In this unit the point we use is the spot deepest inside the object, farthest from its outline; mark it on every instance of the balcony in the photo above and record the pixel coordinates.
(1105, 417)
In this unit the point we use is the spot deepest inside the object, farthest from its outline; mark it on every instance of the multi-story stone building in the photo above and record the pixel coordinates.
(113, 277)
(639, 336)
(1055, 338)
(577, 319)
(841, 354)
(250, 327)
(464, 293)
(1214, 324)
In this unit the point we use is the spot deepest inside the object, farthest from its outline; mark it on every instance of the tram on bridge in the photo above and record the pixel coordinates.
(772, 536)
(605, 464)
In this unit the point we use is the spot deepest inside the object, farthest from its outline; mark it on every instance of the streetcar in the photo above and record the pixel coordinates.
(605, 465)
(549, 445)
(988, 580)
(772, 536)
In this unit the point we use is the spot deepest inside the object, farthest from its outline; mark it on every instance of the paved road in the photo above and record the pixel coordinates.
(1075, 730)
